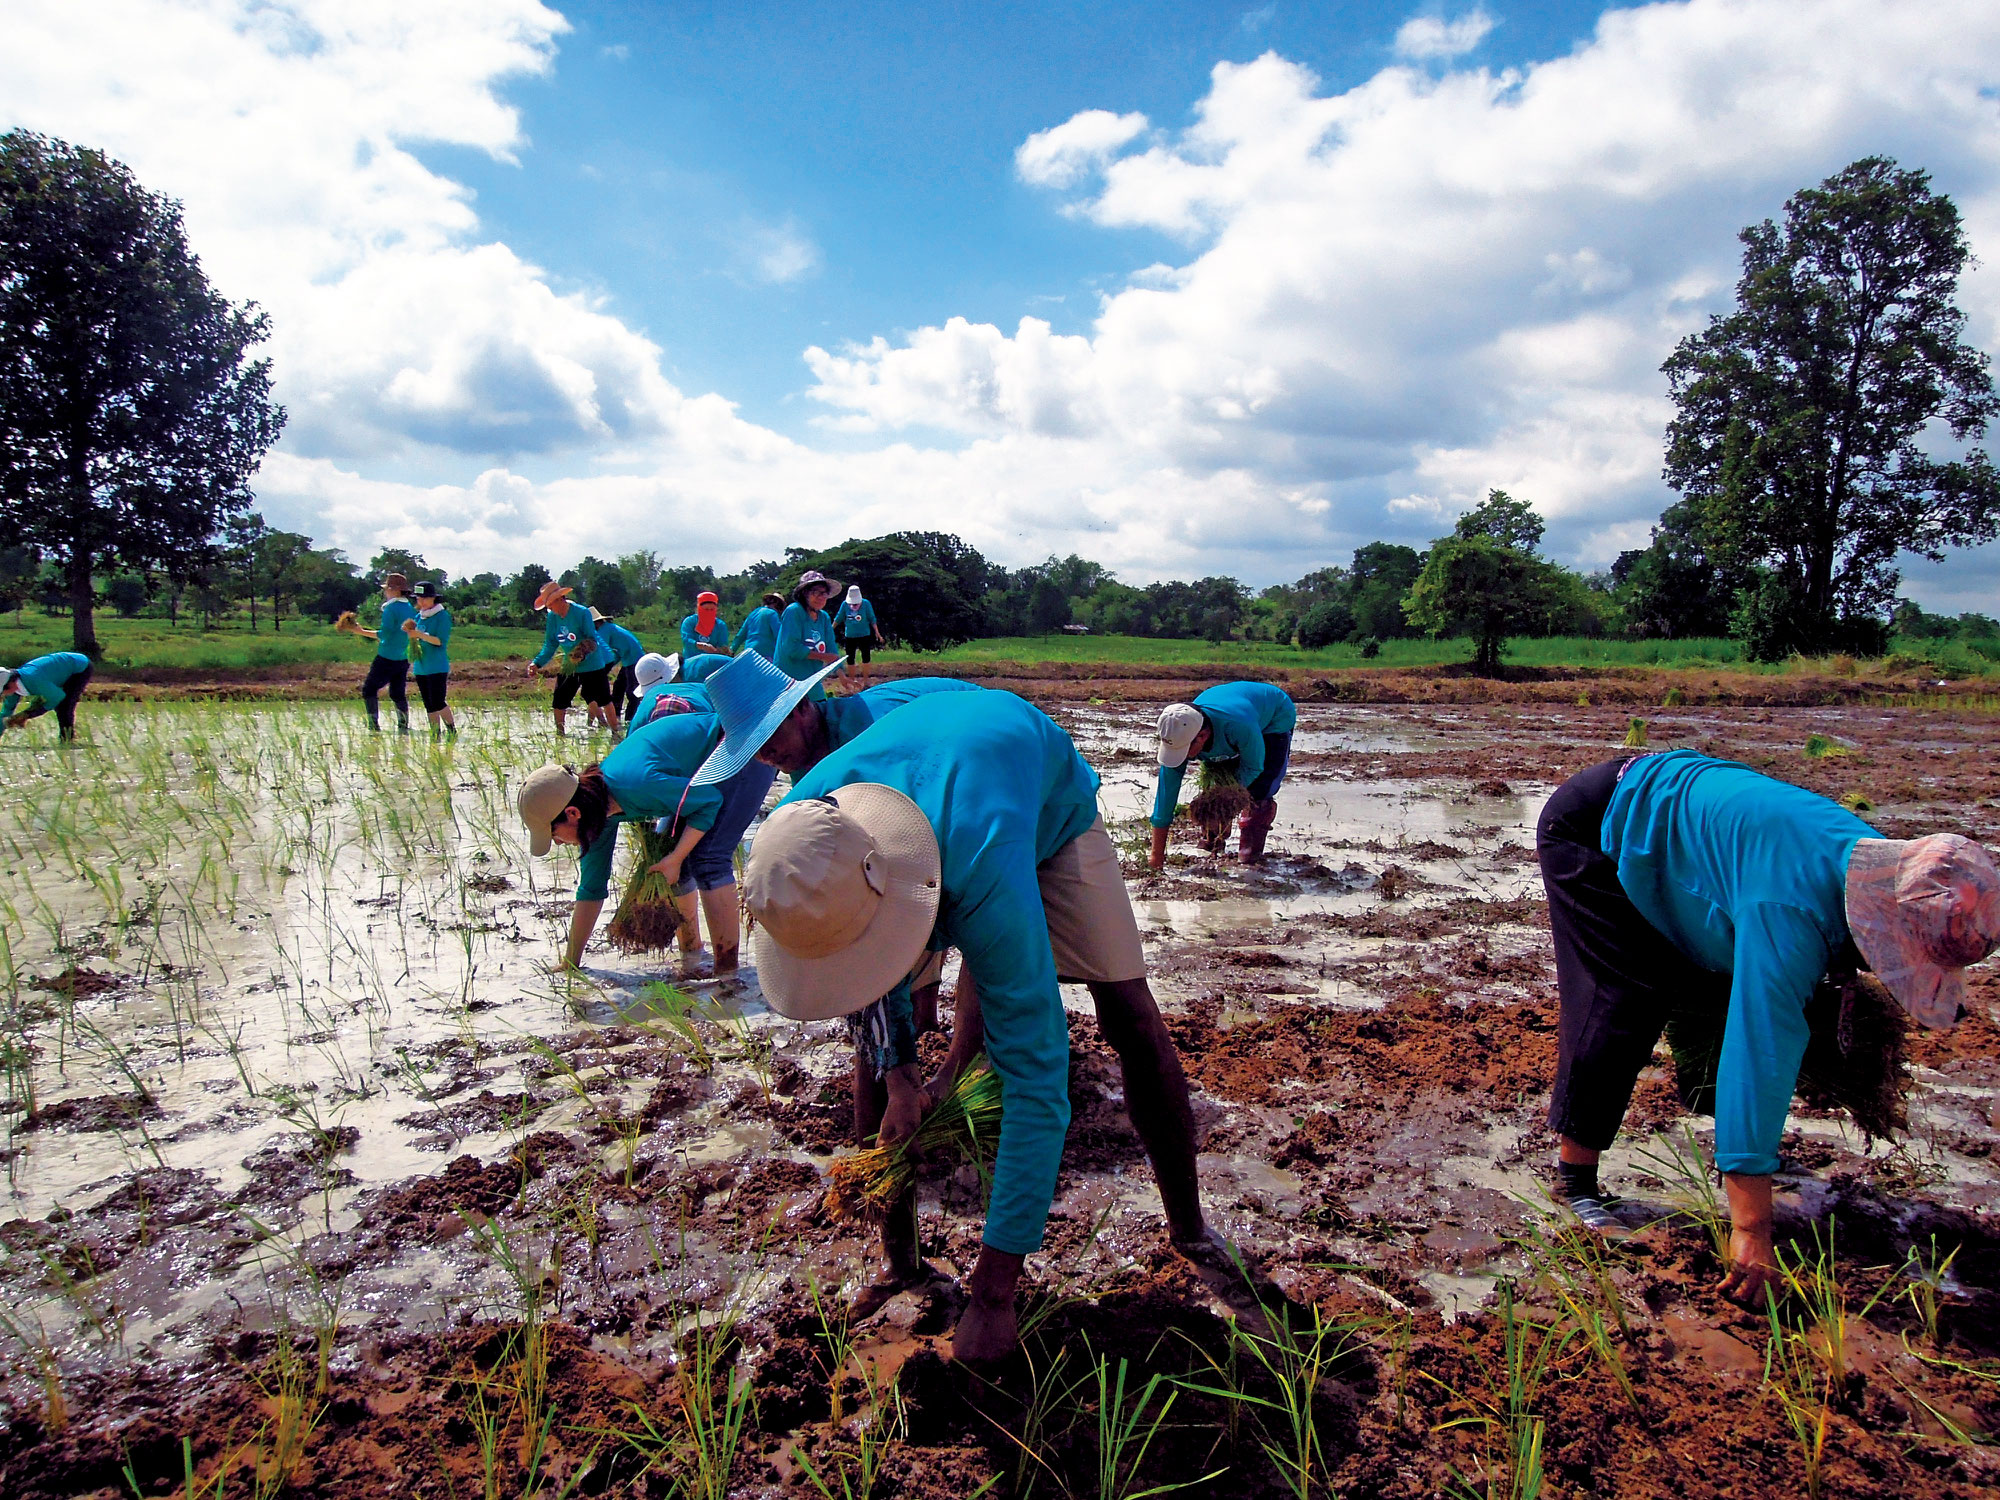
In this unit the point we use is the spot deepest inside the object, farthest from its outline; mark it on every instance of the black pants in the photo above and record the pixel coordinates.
(625, 691)
(433, 685)
(383, 672)
(862, 646)
(595, 685)
(1622, 980)
(66, 710)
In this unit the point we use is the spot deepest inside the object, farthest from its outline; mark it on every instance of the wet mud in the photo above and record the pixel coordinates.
(321, 1183)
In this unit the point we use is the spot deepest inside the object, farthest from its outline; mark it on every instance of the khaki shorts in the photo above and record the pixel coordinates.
(1092, 931)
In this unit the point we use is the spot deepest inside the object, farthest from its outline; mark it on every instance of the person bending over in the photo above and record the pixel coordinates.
(52, 683)
(760, 628)
(647, 777)
(1248, 724)
(1683, 887)
(969, 820)
(572, 651)
(625, 650)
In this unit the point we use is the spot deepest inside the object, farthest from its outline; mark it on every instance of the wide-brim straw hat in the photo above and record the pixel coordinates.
(751, 697)
(550, 592)
(1920, 910)
(844, 892)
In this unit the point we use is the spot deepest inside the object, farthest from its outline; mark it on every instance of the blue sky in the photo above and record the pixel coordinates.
(671, 146)
(1186, 290)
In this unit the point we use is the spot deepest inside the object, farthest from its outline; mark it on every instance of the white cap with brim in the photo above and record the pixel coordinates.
(1179, 724)
(843, 891)
(652, 669)
(543, 797)
(750, 698)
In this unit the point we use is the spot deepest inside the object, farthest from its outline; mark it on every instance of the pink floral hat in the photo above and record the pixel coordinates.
(1920, 910)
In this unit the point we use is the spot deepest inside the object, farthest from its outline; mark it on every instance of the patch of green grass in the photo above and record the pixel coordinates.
(143, 642)
(1121, 650)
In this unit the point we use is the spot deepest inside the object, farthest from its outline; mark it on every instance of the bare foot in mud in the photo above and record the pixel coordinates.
(1212, 1251)
(879, 1293)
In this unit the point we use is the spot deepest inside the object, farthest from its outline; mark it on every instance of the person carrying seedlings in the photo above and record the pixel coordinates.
(705, 632)
(1684, 889)
(48, 683)
(969, 820)
(430, 656)
(391, 667)
(760, 628)
(571, 650)
(625, 652)
(859, 633)
(805, 632)
(647, 777)
(1243, 730)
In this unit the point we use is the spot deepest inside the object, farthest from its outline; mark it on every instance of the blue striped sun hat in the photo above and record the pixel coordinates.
(751, 698)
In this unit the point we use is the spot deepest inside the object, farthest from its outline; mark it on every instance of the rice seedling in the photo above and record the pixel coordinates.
(648, 917)
(1512, 1466)
(1678, 1161)
(1929, 1276)
(42, 1359)
(1126, 1428)
(1796, 1374)
(1574, 1265)
(867, 1184)
(1856, 803)
(1819, 747)
(1635, 734)
(285, 1383)
(880, 1426)
(1674, 698)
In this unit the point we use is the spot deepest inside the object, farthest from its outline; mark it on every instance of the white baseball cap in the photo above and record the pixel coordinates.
(1179, 724)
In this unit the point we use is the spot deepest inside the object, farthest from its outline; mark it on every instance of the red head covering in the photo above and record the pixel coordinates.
(704, 612)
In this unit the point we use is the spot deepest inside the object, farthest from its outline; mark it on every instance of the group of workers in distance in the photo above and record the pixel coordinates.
(927, 814)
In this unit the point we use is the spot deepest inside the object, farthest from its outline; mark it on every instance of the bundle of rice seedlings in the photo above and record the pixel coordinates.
(1818, 747)
(1855, 1056)
(867, 1184)
(346, 623)
(1220, 801)
(578, 655)
(647, 917)
(1635, 734)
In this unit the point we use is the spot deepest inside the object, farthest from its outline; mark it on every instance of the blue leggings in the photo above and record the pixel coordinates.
(711, 864)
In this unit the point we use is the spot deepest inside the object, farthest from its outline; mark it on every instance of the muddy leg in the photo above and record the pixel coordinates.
(923, 1008)
(724, 926)
(1156, 1096)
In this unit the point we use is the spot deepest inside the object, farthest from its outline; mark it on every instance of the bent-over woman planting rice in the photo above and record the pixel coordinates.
(1241, 733)
(48, 684)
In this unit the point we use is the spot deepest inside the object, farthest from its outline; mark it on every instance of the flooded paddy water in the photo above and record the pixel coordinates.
(322, 1180)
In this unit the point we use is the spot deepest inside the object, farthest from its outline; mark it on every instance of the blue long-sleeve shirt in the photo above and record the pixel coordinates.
(693, 638)
(1748, 877)
(857, 621)
(561, 633)
(427, 660)
(760, 632)
(1240, 714)
(647, 776)
(45, 679)
(649, 700)
(1004, 789)
(625, 647)
(700, 668)
(847, 717)
(800, 632)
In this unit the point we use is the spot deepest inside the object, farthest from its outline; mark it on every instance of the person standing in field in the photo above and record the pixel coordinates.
(760, 628)
(571, 650)
(647, 777)
(391, 667)
(625, 651)
(1241, 726)
(705, 632)
(52, 683)
(430, 655)
(968, 820)
(805, 632)
(1684, 889)
(859, 632)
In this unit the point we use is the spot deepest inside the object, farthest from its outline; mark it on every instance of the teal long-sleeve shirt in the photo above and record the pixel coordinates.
(649, 700)
(800, 632)
(1240, 714)
(45, 679)
(1004, 789)
(434, 660)
(648, 778)
(857, 621)
(1748, 877)
(847, 717)
(701, 668)
(760, 632)
(624, 646)
(693, 639)
(562, 633)
(391, 643)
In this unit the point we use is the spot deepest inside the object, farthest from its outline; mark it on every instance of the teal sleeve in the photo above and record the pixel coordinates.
(1780, 955)
(701, 807)
(1004, 937)
(1168, 795)
(593, 874)
(689, 640)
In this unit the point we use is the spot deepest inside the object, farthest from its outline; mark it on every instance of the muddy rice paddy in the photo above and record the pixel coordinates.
(320, 1180)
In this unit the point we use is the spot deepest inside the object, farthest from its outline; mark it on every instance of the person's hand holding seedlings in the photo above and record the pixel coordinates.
(909, 1102)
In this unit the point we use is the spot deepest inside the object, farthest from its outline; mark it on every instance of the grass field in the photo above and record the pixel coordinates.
(147, 643)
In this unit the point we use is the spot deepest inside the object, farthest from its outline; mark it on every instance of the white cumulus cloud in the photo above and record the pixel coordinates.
(1065, 154)
(1433, 36)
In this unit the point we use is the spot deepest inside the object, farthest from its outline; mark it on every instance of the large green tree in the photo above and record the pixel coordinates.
(1476, 586)
(131, 413)
(915, 579)
(1825, 425)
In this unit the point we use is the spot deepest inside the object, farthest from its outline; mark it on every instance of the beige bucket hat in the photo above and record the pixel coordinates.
(542, 798)
(844, 892)
(1920, 910)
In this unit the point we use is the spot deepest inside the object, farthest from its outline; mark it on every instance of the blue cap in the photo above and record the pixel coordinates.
(751, 697)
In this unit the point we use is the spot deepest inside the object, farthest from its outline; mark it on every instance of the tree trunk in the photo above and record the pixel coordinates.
(83, 625)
